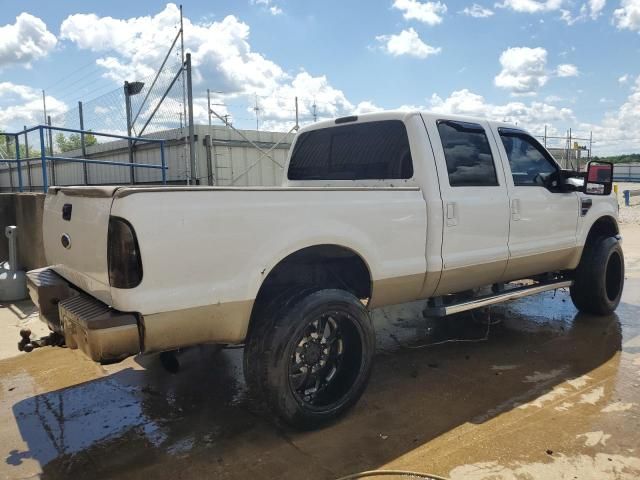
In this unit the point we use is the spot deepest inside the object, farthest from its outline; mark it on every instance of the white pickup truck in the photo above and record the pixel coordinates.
(374, 210)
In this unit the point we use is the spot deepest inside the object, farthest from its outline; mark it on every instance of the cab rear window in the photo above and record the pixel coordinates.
(362, 151)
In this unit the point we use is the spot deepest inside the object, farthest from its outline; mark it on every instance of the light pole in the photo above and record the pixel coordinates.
(130, 89)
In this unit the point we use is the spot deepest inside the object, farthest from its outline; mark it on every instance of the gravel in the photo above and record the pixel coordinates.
(630, 214)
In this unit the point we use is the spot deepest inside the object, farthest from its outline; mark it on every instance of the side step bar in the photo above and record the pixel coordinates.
(486, 300)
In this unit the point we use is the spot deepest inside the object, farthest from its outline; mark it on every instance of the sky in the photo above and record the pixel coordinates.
(555, 63)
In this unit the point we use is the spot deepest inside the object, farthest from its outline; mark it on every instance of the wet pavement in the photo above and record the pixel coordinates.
(534, 390)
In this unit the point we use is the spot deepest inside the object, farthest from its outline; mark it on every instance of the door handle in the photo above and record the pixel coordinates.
(452, 214)
(515, 209)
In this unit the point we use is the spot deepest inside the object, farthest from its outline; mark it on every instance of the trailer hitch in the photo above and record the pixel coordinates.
(27, 345)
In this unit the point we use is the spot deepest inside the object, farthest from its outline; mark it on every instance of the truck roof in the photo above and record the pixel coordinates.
(401, 115)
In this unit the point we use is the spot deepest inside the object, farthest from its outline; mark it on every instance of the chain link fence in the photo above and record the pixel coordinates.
(155, 106)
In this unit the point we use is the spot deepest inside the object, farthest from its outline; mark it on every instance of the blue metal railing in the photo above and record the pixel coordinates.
(44, 157)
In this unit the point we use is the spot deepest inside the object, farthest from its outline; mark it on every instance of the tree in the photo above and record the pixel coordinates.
(8, 147)
(73, 141)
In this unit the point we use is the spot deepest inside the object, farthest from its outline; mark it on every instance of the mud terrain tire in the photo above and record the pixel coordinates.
(599, 278)
(310, 357)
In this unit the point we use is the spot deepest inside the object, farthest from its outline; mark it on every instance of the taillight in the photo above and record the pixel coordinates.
(123, 255)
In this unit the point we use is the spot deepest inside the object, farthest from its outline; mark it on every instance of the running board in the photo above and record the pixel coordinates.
(486, 300)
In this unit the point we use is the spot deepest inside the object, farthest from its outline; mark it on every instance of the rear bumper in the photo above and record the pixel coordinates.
(102, 333)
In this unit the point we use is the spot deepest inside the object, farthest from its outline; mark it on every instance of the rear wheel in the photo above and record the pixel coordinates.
(314, 357)
(599, 278)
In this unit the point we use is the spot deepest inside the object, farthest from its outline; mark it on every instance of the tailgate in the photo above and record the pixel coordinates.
(75, 229)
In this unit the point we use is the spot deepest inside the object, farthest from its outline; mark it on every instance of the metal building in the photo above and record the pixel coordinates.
(224, 156)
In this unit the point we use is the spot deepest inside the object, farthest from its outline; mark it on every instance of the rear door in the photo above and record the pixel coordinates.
(543, 218)
(75, 230)
(475, 205)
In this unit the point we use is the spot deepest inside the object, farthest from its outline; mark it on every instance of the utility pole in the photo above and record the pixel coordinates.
(44, 106)
(257, 109)
(192, 134)
(315, 115)
(53, 163)
(28, 155)
(297, 125)
(209, 108)
(127, 105)
(85, 171)
(184, 93)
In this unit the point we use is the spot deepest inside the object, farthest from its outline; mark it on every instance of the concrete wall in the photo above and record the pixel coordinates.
(7, 217)
(24, 210)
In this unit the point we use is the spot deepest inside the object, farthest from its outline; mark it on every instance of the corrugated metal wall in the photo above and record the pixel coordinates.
(626, 172)
(230, 160)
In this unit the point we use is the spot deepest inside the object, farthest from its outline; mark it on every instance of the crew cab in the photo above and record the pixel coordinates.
(373, 210)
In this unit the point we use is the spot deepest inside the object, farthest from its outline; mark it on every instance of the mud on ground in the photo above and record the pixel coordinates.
(550, 394)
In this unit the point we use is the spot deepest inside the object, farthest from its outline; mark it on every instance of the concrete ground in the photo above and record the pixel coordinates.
(548, 394)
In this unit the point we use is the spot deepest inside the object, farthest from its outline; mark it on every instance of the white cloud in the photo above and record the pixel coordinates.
(628, 15)
(366, 107)
(427, 12)
(567, 70)
(22, 105)
(592, 9)
(477, 11)
(619, 131)
(25, 40)
(531, 6)
(269, 5)
(595, 8)
(329, 101)
(223, 60)
(221, 50)
(624, 78)
(533, 116)
(523, 70)
(570, 19)
(407, 42)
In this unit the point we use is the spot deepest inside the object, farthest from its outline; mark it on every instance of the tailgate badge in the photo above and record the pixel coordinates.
(66, 241)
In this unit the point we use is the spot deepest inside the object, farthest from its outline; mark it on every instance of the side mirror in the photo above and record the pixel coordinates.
(599, 179)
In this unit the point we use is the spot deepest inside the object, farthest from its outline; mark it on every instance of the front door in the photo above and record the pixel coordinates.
(543, 224)
(475, 205)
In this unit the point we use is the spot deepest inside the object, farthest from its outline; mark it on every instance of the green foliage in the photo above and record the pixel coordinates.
(73, 142)
(9, 148)
(630, 158)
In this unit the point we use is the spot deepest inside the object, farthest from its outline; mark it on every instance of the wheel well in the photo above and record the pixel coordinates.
(321, 266)
(603, 227)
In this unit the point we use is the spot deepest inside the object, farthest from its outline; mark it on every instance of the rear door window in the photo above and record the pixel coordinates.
(468, 154)
(362, 151)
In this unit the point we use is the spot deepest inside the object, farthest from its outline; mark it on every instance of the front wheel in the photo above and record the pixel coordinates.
(314, 360)
(599, 278)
